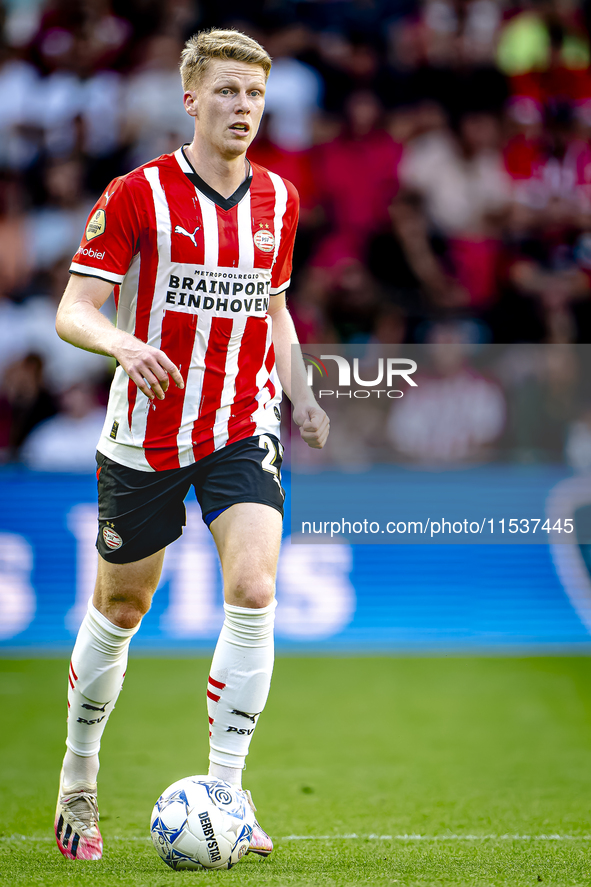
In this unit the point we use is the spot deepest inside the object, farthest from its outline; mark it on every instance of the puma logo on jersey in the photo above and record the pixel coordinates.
(180, 230)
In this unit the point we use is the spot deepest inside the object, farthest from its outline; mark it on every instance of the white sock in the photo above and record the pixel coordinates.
(238, 686)
(97, 669)
(228, 774)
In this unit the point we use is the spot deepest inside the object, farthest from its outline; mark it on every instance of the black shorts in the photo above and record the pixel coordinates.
(141, 512)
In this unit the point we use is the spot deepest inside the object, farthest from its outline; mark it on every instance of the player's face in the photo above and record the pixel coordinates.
(228, 105)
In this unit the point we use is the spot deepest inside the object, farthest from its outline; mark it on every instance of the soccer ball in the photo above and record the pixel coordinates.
(201, 823)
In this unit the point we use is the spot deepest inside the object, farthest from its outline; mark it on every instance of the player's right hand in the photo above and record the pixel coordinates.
(149, 368)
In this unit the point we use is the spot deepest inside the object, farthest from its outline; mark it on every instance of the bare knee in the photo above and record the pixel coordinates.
(253, 594)
(123, 604)
(123, 592)
(123, 611)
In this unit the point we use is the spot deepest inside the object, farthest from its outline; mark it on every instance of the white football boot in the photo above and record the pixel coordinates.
(260, 842)
(76, 821)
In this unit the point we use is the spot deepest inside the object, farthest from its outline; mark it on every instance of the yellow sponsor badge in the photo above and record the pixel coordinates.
(96, 225)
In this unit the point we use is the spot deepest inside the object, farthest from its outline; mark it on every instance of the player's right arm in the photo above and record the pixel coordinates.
(80, 322)
(108, 246)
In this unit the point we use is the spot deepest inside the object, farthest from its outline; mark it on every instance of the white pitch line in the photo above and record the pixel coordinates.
(352, 837)
(436, 837)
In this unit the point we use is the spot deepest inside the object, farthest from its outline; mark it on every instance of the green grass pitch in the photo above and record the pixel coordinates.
(372, 771)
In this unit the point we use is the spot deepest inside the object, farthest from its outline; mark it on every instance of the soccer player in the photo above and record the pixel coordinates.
(198, 246)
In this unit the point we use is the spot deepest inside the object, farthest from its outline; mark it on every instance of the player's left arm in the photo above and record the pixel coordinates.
(307, 414)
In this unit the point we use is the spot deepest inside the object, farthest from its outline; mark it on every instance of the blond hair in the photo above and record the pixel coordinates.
(218, 44)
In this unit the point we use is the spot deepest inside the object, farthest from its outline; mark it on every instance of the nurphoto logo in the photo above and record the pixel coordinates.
(388, 371)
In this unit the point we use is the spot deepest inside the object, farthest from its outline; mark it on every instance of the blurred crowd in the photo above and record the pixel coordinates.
(471, 404)
(441, 148)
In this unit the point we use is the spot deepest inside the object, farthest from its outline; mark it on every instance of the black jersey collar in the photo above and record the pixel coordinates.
(223, 202)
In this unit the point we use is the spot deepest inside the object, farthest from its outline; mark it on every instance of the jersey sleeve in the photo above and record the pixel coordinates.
(281, 271)
(111, 236)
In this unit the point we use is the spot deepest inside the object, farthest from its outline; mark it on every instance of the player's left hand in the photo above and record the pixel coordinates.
(314, 425)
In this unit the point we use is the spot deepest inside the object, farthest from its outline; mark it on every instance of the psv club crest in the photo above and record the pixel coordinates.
(264, 240)
(112, 539)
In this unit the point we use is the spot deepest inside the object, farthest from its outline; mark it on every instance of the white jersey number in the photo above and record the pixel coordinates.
(268, 463)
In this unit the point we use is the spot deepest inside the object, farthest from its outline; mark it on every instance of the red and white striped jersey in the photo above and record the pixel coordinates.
(193, 274)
